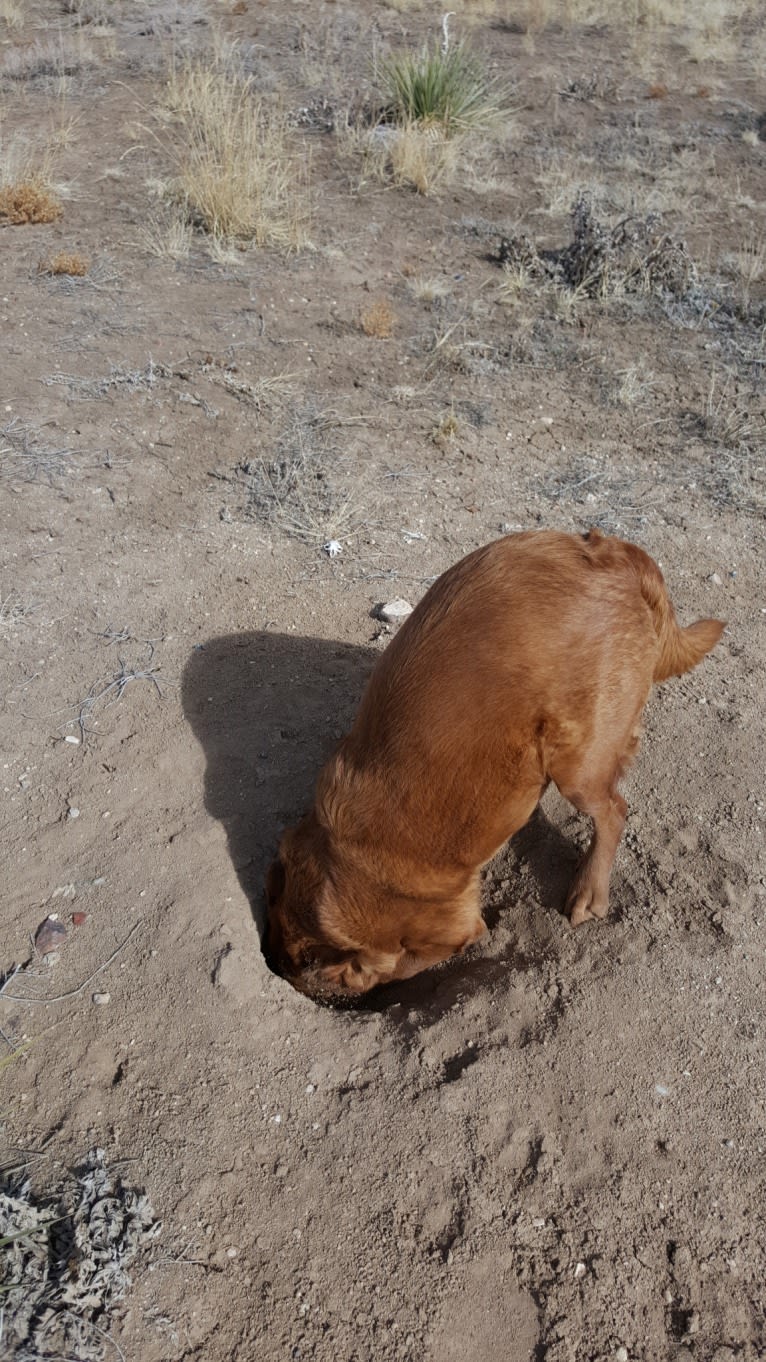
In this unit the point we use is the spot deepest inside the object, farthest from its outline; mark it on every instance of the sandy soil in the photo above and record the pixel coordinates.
(555, 1148)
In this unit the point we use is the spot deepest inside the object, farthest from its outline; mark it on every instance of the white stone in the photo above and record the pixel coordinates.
(393, 612)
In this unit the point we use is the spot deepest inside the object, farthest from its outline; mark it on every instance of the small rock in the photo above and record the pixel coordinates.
(232, 1252)
(72, 812)
(71, 738)
(393, 611)
(621, 1355)
(580, 1271)
(715, 579)
(78, 919)
(51, 957)
(49, 935)
(101, 999)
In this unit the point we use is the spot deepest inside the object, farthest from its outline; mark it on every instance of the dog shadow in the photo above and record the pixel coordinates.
(268, 709)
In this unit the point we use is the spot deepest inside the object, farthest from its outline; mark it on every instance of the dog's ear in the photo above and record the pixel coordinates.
(359, 971)
(275, 882)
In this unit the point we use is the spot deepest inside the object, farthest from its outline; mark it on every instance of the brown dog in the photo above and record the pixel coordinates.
(529, 661)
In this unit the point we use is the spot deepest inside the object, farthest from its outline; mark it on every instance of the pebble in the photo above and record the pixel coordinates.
(101, 999)
(394, 611)
(78, 919)
(621, 1355)
(51, 957)
(72, 812)
(49, 935)
(71, 738)
(580, 1271)
(715, 579)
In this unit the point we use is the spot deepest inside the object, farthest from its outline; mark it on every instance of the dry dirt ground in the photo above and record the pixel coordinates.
(555, 1148)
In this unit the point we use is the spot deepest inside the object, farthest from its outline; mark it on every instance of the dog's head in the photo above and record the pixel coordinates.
(307, 938)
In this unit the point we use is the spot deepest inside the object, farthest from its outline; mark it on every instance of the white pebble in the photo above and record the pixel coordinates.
(580, 1271)
(71, 738)
(72, 812)
(394, 611)
(101, 999)
(621, 1355)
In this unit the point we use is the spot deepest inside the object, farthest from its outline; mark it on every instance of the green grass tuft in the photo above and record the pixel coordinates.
(449, 89)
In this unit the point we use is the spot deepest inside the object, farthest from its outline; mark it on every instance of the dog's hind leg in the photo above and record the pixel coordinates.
(588, 895)
(591, 785)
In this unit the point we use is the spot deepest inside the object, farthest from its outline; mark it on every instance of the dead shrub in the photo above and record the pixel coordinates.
(378, 320)
(28, 202)
(606, 262)
(65, 262)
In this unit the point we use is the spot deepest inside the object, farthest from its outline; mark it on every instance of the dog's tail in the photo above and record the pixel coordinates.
(680, 649)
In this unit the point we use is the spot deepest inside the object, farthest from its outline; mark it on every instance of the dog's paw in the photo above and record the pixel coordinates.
(585, 904)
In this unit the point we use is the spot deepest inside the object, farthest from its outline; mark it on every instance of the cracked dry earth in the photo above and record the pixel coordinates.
(554, 1148)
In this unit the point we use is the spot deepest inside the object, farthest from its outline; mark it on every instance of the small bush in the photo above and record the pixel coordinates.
(604, 262)
(448, 87)
(65, 262)
(28, 201)
(378, 320)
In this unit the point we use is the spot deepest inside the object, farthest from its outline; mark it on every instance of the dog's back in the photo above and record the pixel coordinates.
(529, 661)
(530, 650)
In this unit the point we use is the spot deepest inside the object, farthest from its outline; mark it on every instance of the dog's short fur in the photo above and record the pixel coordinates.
(529, 661)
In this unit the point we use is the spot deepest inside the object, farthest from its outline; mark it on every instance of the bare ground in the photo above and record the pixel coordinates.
(554, 1149)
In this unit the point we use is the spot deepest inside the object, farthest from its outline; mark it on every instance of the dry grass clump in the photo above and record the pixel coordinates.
(65, 262)
(47, 57)
(12, 13)
(406, 157)
(28, 201)
(378, 319)
(295, 491)
(747, 266)
(239, 173)
(167, 235)
(99, 13)
(429, 290)
(731, 421)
